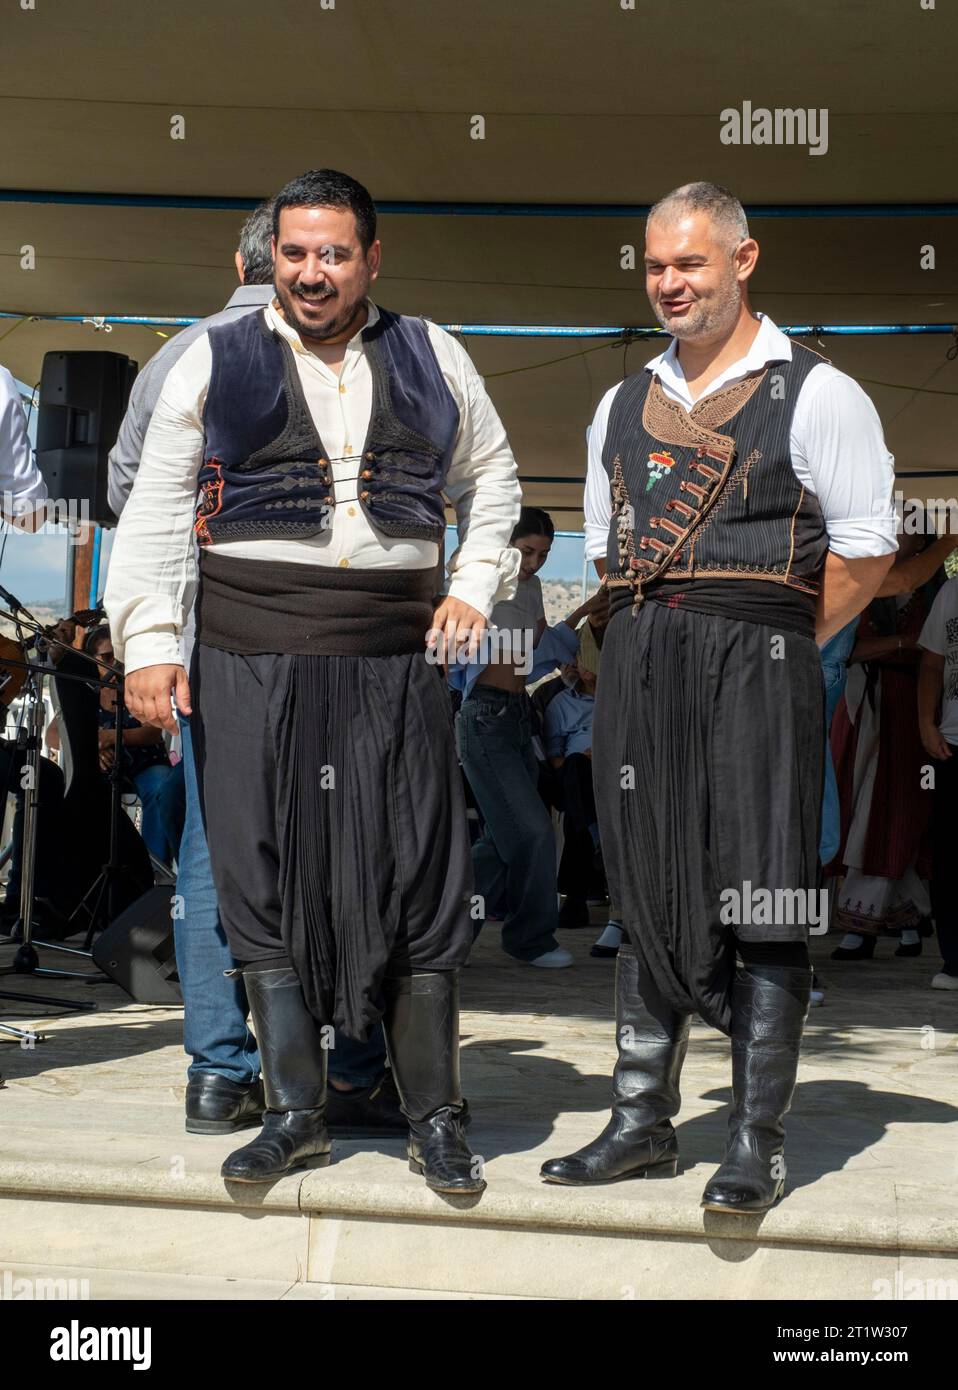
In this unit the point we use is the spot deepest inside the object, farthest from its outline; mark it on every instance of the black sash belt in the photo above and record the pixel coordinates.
(260, 606)
(750, 600)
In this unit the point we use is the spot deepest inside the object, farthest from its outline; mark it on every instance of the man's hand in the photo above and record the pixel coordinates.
(453, 624)
(935, 745)
(596, 604)
(148, 694)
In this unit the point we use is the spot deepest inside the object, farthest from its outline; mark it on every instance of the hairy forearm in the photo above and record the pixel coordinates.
(909, 575)
(848, 587)
(574, 618)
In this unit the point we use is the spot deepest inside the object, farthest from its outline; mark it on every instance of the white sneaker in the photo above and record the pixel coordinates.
(612, 934)
(941, 981)
(553, 960)
(816, 998)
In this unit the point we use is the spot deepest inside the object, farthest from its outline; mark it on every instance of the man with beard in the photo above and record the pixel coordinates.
(223, 1090)
(740, 490)
(323, 431)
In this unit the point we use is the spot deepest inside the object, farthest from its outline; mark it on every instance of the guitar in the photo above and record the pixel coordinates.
(13, 677)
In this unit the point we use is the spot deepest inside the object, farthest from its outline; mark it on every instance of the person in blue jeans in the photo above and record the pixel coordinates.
(161, 791)
(514, 860)
(834, 655)
(223, 1087)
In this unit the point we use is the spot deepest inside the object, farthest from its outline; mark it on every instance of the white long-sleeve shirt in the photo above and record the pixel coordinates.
(152, 576)
(837, 448)
(21, 482)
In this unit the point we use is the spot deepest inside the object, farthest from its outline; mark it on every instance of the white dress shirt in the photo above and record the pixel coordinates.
(152, 576)
(837, 448)
(21, 482)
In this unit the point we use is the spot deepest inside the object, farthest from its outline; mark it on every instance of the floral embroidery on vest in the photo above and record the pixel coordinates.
(657, 465)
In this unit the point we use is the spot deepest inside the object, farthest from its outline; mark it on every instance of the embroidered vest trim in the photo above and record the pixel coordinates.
(643, 549)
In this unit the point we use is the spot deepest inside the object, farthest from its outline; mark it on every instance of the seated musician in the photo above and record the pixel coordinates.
(146, 764)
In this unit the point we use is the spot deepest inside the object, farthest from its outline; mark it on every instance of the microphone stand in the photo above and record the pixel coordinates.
(26, 961)
(104, 885)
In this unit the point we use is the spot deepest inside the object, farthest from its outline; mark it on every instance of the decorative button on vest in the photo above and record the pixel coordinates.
(263, 447)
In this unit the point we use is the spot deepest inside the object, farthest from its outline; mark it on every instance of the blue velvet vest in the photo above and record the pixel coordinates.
(266, 472)
(711, 492)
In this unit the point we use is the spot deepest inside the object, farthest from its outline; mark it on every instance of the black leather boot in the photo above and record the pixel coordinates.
(372, 1112)
(421, 1024)
(217, 1105)
(638, 1141)
(294, 1080)
(769, 1007)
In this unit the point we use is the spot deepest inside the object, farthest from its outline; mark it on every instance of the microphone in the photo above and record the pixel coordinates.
(11, 600)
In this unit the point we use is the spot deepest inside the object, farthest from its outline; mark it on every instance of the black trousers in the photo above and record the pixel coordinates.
(944, 862)
(335, 819)
(708, 759)
(575, 798)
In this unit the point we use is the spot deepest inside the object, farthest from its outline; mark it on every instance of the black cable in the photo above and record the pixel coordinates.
(31, 403)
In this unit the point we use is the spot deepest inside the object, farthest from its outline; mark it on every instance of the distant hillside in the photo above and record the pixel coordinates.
(561, 597)
(45, 613)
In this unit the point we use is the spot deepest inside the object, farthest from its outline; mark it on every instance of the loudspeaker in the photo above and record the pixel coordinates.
(137, 949)
(83, 397)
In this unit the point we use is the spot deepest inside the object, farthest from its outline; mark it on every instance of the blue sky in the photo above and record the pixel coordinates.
(34, 566)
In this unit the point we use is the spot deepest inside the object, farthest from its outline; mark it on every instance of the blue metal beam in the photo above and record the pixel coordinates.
(463, 209)
(535, 330)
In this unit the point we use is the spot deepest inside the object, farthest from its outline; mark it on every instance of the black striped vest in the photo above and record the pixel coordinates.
(710, 492)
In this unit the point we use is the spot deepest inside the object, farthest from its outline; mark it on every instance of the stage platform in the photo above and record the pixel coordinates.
(99, 1182)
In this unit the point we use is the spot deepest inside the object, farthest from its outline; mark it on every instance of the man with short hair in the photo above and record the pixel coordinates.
(740, 490)
(223, 1090)
(323, 432)
(253, 259)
